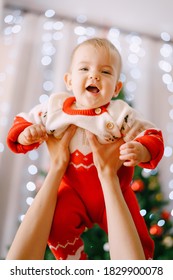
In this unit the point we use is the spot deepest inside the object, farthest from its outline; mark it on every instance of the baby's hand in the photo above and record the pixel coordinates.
(133, 153)
(33, 134)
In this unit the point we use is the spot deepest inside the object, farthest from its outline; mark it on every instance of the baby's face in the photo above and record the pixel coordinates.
(93, 77)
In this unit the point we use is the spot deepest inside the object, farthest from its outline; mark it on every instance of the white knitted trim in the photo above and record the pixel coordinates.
(82, 165)
(77, 254)
(63, 246)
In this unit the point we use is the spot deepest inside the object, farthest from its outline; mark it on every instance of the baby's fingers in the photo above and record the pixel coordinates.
(35, 133)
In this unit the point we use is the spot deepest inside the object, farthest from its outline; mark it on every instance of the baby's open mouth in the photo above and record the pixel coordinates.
(92, 89)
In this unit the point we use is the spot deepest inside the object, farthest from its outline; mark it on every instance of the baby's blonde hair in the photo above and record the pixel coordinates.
(101, 43)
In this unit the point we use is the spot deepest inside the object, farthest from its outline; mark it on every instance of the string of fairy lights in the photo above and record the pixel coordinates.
(166, 64)
(52, 34)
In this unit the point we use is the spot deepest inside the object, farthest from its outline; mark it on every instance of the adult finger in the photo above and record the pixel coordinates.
(92, 139)
(68, 134)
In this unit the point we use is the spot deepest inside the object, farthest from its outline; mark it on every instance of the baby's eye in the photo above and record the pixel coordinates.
(106, 72)
(83, 69)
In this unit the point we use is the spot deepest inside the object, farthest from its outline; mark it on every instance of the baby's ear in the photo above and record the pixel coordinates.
(118, 88)
(68, 81)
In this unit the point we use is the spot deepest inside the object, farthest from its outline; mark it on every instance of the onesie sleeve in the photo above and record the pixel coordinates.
(18, 126)
(133, 126)
(153, 141)
(37, 115)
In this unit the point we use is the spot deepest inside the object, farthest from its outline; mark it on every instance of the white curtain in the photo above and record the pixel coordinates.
(34, 54)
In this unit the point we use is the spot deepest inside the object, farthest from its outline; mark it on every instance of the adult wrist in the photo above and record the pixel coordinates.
(57, 169)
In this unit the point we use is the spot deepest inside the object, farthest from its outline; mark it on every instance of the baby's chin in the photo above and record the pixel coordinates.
(91, 104)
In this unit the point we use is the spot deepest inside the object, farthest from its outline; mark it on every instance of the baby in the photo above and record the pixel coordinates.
(93, 78)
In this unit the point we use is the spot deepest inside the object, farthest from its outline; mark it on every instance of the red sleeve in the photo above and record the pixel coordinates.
(153, 141)
(18, 126)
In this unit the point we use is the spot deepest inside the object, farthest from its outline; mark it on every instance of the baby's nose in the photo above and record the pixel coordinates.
(95, 76)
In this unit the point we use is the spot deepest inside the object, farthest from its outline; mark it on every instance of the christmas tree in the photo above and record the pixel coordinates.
(153, 208)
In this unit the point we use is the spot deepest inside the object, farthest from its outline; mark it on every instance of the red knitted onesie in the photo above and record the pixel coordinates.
(80, 201)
